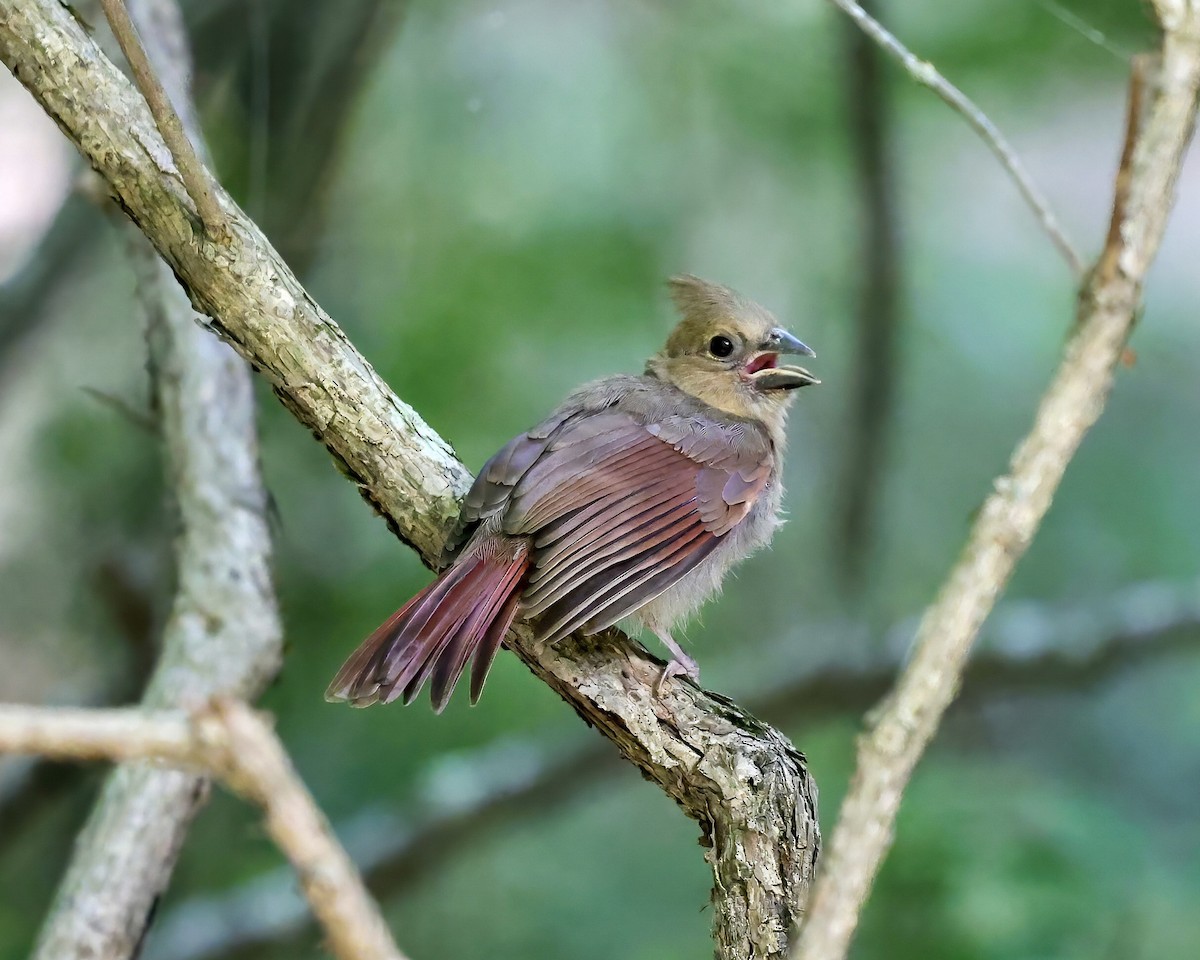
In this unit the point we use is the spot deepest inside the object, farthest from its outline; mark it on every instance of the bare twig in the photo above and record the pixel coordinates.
(192, 171)
(509, 781)
(223, 636)
(928, 76)
(742, 781)
(877, 312)
(35, 790)
(310, 111)
(231, 742)
(1108, 306)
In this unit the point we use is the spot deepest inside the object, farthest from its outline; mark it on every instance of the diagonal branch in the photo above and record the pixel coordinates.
(192, 171)
(1108, 308)
(742, 781)
(231, 742)
(928, 76)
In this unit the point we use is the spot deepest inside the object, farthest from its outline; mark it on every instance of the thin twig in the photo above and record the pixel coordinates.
(928, 76)
(35, 791)
(230, 742)
(195, 175)
(906, 721)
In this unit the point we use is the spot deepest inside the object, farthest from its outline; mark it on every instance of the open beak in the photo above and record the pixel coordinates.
(764, 371)
(780, 341)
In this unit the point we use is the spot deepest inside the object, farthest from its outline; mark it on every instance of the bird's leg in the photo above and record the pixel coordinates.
(680, 662)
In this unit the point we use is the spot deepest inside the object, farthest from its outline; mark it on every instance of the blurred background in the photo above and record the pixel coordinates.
(488, 196)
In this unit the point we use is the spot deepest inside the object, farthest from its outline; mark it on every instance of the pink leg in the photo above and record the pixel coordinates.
(680, 664)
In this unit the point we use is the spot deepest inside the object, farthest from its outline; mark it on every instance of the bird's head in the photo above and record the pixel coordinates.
(725, 351)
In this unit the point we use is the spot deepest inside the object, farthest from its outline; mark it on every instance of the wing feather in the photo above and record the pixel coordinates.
(618, 509)
(606, 556)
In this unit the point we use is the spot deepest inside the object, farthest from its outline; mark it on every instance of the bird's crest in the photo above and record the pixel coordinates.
(704, 306)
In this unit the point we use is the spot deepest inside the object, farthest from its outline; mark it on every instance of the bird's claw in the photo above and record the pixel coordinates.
(679, 665)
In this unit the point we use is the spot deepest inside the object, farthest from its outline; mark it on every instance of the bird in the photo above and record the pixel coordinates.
(631, 501)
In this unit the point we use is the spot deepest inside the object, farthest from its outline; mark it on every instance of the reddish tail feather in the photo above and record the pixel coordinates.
(464, 614)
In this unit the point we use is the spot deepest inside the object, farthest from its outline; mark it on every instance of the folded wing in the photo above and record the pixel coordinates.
(618, 510)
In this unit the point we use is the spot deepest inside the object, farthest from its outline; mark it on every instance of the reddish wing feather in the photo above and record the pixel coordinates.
(615, 512)
(607, 503)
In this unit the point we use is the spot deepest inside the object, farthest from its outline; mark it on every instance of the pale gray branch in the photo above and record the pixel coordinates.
(223, 636)
(742, 781)
(1108, 306)
(926, 74)
(229, 741)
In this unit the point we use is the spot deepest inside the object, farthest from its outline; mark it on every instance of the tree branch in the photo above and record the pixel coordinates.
(877, 312)
(35, 790)
(223, 636)
(927, 75)
(311, 107)
(1033, 647)
(192, 171)
(229, 741)
(743, 782)
(1108, 307)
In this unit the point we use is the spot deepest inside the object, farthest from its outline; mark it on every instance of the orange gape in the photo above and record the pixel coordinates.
(633, 499)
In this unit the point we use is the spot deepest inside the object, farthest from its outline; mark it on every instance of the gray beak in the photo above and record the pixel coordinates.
(780, 341)
(784, 378)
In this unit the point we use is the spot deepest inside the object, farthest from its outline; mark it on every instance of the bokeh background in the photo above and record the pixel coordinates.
(488, 197)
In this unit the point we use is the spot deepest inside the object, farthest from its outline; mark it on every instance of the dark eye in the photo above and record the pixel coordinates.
(720, 346)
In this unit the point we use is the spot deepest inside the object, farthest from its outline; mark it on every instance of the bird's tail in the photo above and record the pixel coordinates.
(463, 614)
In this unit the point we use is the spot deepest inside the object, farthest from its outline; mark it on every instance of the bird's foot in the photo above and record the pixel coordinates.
(680, 664)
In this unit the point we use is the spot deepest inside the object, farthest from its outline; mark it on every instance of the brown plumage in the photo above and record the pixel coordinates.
(633, 499)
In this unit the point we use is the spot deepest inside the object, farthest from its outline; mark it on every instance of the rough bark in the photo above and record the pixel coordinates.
(744, 783)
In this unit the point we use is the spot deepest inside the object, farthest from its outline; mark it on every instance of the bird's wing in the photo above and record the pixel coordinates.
(618, 510)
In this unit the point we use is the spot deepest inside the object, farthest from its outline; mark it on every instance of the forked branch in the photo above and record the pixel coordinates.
(232, 743)
(192, 171)
(888, 751)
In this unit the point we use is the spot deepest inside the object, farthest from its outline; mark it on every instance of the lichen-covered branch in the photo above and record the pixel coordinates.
(224, 635)
(888, 751)
(229, 741)
(742, 781)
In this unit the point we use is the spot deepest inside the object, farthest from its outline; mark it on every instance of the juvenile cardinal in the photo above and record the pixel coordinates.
(633, 499)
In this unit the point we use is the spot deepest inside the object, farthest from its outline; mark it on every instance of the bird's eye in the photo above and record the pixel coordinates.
(720, 347)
